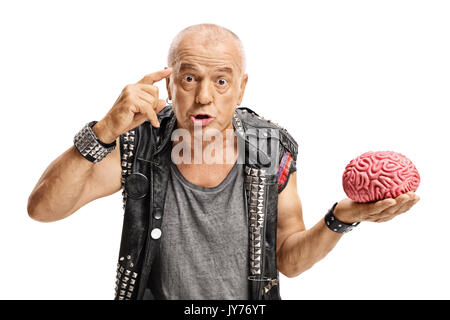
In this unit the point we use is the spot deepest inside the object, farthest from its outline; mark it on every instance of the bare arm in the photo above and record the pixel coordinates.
(71, 181)
(298, 248)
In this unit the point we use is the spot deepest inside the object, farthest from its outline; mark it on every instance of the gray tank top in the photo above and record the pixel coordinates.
(204, 242)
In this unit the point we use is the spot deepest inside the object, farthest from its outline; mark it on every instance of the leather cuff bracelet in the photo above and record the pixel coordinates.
(334, 224)
(90, 146)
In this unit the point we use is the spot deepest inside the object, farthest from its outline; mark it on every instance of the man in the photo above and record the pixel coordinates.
(197, 229)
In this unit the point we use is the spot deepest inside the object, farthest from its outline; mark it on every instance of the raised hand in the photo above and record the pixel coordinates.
(137, 103)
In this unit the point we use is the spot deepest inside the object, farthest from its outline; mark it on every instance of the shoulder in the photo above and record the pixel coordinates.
(250, 118)
(165, 113)
(146, 128)
(128, 140)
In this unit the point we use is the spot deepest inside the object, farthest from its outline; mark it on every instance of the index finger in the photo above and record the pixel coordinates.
(156, 76)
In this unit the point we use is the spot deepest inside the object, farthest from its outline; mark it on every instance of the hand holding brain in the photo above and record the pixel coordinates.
(379, 185)
(378, 175)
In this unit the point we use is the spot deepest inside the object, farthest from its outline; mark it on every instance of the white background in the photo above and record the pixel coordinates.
(344, 77)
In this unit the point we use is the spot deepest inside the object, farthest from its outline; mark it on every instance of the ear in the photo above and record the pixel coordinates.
(242, 87)
(168, 85)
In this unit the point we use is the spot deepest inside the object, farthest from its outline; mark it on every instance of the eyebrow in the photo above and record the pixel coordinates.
(225, 69)
(185, 66)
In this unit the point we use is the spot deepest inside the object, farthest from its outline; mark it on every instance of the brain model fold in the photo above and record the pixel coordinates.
(379, 175)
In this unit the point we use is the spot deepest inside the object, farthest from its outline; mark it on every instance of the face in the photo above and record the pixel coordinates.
(206, 84)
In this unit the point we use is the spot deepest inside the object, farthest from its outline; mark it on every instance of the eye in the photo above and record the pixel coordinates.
(189, 78)
(222, 81)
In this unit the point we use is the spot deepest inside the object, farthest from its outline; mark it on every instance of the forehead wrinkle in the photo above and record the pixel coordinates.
(208, 54)
(187, 54)
(189, 61)
(219, 66)
(188, 66)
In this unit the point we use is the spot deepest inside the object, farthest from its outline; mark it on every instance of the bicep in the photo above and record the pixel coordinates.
(104, 180)
(290, 216)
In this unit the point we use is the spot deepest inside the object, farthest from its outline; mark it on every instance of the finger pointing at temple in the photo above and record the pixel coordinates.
(151, 78)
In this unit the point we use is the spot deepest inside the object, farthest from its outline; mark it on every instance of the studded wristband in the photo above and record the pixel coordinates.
(90, 146)
(334, 224)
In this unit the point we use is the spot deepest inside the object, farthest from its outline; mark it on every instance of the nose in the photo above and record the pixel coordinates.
(205, 92)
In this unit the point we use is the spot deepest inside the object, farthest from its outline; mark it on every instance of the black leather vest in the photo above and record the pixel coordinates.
(145, 155)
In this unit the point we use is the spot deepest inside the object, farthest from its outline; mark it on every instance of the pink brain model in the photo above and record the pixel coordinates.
(378, 175)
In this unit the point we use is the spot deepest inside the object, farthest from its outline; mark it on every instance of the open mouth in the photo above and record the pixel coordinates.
(202, 118)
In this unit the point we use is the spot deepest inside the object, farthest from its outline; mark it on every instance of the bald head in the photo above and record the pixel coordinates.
(207, 34)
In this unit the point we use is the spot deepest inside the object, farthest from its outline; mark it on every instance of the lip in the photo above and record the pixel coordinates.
(202, 122)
